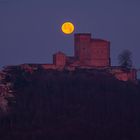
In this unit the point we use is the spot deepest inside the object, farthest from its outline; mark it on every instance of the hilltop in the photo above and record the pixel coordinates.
(73, 105)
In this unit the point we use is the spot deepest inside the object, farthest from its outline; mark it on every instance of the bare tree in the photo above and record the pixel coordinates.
(125, 59)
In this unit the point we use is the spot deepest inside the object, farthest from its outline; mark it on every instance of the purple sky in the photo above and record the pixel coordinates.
(30, 29)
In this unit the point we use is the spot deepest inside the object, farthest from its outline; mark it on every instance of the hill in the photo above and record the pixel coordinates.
(70, 105)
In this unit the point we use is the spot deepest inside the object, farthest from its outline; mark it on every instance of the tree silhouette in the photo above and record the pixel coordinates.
(125, 59)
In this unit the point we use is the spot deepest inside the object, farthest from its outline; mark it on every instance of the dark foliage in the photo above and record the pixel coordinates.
(125, 59)
(78, 105)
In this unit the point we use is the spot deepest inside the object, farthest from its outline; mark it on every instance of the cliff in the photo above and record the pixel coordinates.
(70, 105)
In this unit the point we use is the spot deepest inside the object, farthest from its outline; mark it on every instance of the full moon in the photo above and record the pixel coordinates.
(67, 28)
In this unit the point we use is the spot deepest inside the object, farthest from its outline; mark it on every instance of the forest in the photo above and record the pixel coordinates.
(70, 105)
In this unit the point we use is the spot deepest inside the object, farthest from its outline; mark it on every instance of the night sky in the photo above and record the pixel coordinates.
(30, 29)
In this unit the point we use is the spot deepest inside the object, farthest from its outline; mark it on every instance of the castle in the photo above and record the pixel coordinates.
(89, 53)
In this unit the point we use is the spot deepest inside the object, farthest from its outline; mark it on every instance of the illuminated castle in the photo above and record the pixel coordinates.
(89, 53)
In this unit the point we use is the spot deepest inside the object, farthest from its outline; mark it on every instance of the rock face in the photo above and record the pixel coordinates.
(5, 93)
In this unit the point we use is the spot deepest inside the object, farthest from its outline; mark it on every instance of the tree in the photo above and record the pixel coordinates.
(125, 59)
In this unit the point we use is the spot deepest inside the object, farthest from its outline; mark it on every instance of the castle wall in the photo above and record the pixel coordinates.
(132, 75)
(49, 66)
(124, 74)
(99, 53)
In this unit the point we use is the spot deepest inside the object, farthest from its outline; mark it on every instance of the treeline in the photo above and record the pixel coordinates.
(70, 105)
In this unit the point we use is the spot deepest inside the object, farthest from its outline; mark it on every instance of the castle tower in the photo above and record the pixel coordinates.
(81, 44)
(91, 52)
(99, 53)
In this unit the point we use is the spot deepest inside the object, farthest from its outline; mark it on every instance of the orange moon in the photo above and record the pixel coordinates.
(67, 28)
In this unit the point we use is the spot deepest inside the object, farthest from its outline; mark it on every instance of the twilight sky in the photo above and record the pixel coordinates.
(30, 29)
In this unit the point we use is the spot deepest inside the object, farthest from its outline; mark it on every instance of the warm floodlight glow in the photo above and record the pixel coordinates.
(67, 28)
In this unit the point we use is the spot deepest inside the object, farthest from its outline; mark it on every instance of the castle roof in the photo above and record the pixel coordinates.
(98, 40)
